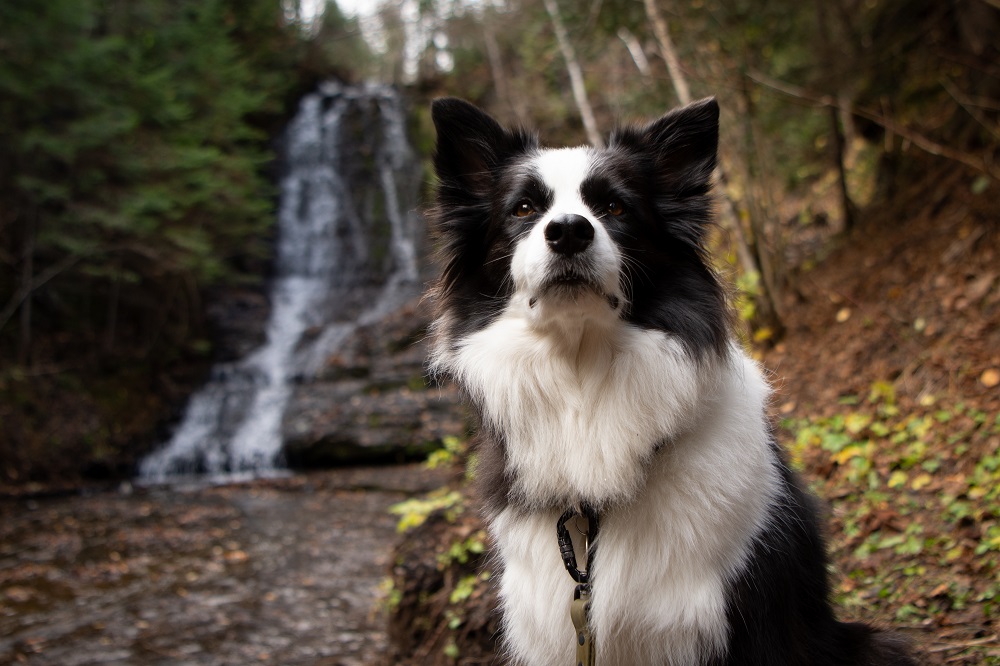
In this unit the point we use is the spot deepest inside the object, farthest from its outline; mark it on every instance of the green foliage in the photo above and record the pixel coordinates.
(128, 144)
(390, 596)
(134, 141)
(918, 509)
(452, 451)
(461, 551)
(464, 589)
(413, 512)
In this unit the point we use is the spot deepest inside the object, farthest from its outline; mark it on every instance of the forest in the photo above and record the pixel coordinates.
(141, 151)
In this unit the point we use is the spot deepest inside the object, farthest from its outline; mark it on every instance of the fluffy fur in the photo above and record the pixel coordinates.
(578, 311)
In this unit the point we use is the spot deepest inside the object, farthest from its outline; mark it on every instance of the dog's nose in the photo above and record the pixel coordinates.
(569, 234)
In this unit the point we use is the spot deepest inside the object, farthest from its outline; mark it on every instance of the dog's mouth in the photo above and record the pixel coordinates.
(571, 281)
(572, 284)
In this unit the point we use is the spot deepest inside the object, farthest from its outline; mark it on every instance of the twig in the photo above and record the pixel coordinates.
(917, 139)
(39, 280)
(963, 101)
(947, 647)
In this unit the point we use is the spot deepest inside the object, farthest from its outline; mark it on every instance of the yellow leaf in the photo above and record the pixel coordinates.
(843, 315)
(897, 479)
(990, 377)
(763, 334)
(855, 423)
(853, 451)
(920, 481)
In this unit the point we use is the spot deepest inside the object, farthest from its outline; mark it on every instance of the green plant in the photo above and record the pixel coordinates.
(414, 512)
(461, 551)
(451, 451)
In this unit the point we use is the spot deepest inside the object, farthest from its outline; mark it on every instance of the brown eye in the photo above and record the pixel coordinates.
(523, 209)
(615, 208)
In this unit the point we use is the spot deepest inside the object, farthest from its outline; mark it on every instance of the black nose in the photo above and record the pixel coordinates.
(569, 234)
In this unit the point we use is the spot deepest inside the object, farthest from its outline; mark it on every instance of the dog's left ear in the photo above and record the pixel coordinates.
(684, 144)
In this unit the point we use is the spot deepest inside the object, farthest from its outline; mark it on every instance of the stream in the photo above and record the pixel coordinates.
(277, 571)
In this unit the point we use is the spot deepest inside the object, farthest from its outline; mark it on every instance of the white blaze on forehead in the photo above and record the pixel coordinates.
(563, 171)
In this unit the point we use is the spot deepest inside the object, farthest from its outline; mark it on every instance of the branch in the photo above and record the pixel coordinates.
(919, 140)
(26, 289)
(635, 50)
(969, 107)
(667, 51)
(575, 75)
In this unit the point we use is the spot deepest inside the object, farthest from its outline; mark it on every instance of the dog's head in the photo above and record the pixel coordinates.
(601, 235)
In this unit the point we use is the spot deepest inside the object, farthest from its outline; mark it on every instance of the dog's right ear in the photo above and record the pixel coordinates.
(471, 145)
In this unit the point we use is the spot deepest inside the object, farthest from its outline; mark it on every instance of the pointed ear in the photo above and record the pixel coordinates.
(471, 145)
(684, 144)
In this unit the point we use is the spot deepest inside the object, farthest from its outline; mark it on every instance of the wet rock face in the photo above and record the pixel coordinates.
(370, 402)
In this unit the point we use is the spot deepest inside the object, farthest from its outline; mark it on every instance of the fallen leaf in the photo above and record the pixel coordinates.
(19, 594)
(843, 314)
(990, 377)
(979, 287)
(236, 556)
(853, 451)
(897, 479)
(939, 590)
(920, 481)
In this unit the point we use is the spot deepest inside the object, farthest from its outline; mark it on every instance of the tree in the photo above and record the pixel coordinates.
(132, 180)
(575, 74)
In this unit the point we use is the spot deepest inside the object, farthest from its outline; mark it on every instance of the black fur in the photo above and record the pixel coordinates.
(778, 608)
(474, 153)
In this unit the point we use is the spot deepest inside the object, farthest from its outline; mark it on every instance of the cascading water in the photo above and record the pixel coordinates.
(346, 257)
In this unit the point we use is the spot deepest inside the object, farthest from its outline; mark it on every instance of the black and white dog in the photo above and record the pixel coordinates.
(579, 312)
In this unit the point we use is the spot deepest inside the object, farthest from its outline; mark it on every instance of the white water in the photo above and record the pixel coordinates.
(326, 280)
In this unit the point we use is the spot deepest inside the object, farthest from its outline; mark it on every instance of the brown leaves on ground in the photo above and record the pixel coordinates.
(893, 414)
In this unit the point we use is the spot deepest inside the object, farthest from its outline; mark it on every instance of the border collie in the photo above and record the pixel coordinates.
(580, 314)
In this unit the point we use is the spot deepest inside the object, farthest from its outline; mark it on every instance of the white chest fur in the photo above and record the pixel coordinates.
(582, 416)
(581, 412)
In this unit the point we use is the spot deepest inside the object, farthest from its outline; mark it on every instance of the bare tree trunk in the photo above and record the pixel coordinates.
(500, 76)
(575, 75)
(748, 251)
(635, 50)
(767, 259)
(662, 35)
(838, 147)
(27, 277)
(111, 326)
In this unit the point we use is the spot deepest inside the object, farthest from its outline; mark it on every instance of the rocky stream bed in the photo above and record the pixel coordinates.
(281, 571)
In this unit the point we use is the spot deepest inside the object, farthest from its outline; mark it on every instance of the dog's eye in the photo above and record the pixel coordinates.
(523, 208)
(615, 208)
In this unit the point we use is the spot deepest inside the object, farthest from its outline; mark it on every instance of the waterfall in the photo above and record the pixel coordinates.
(346, 256)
